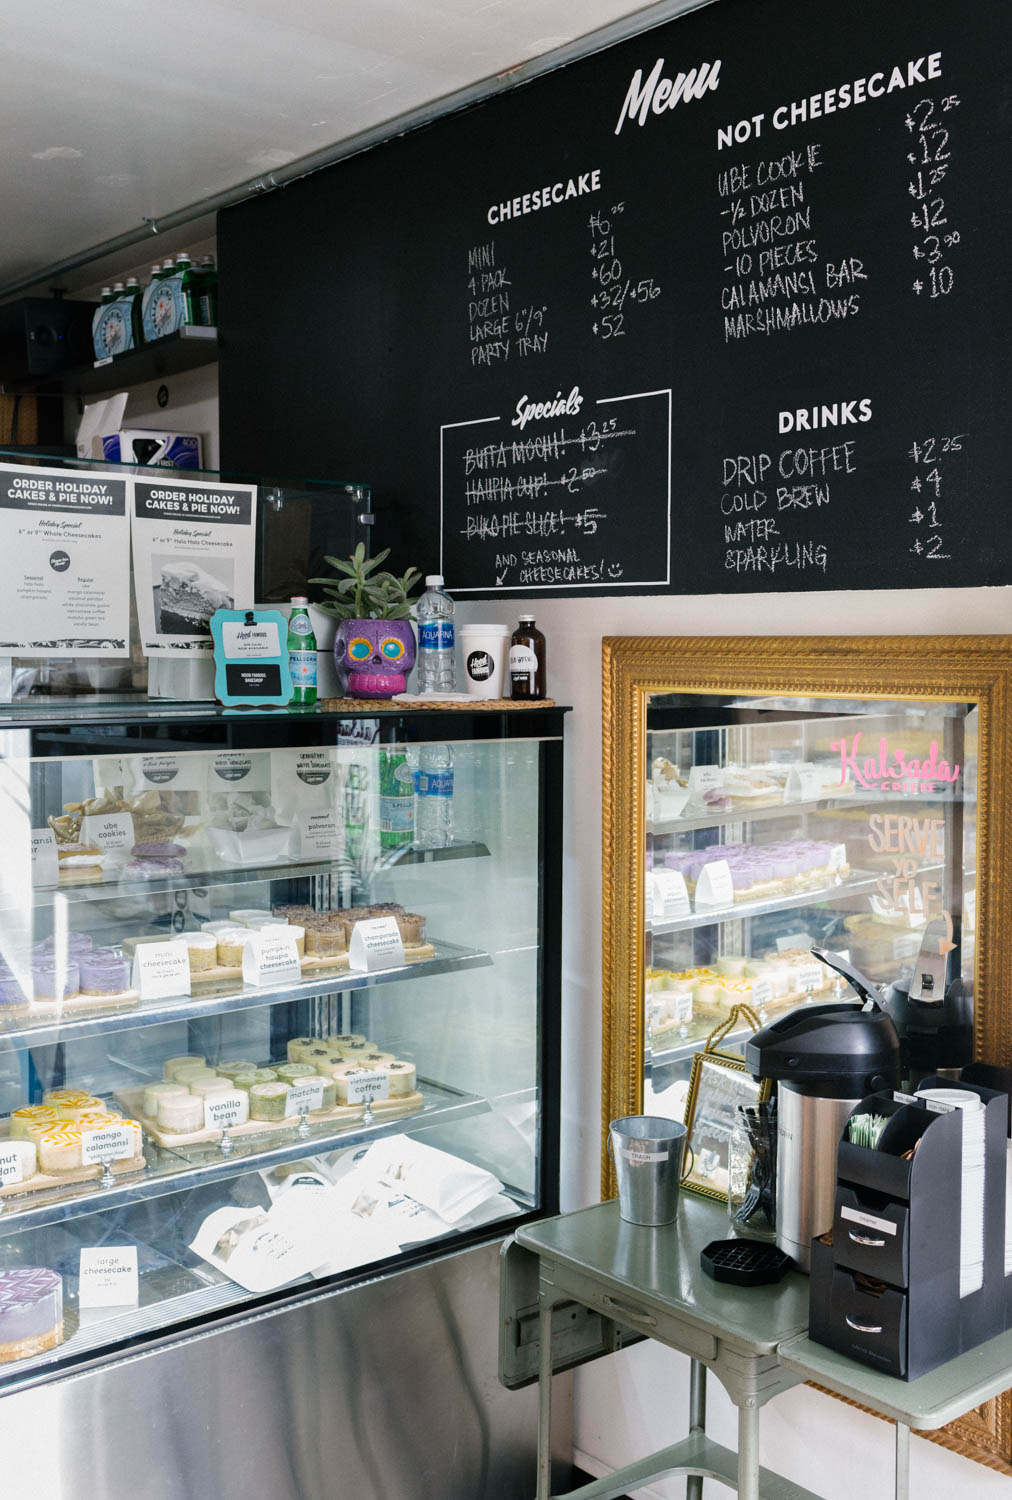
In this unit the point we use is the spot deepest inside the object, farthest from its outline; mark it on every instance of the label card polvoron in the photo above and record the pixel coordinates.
(376, 944)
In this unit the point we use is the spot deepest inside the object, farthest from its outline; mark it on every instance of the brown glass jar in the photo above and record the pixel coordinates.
(527, 661)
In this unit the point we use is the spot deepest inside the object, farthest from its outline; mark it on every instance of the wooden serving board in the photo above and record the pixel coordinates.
(82, 1174)
(344, 1114)
(79, 1005)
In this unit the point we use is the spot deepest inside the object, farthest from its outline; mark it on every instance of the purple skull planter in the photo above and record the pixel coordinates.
(373, 657)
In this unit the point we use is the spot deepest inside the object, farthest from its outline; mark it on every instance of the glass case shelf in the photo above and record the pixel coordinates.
(223, 874)
(166, 1171)
(778, 811)
(454, 1046)
(222, 998)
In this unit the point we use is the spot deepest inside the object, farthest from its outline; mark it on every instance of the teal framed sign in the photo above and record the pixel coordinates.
(251, 658)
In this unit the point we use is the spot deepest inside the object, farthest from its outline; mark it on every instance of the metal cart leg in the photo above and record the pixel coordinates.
(544, 1399)
(697, 1422)
(748, 1451)
(902, 1461)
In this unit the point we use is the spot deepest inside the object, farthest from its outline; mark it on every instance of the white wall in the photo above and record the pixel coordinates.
(632, 1403)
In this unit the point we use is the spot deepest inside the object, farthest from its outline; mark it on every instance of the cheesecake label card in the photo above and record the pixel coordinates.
(376, 944)
(251, 658)
(112, 1143)
(65, 542)
(715, 886)
(222, 1111)
(45, 865)
(270, 958)
(11, 1168)
(107, 1276)
(671, 899)
(161, 970)
(302, 1097)
(194, 548)
(803, 784)
(371, 1085)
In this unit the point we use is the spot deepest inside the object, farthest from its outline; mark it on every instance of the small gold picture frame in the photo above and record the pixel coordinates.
(718, 1084)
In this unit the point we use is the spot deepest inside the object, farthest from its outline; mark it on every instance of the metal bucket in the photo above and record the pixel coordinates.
(647, 1151)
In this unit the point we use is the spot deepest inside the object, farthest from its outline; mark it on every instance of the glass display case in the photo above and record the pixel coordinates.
(271, 1019)
(775, 825)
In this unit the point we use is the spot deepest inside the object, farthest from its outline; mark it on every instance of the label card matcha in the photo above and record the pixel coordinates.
(376, 944)
(107, 1276)
(161, 970)
(10, 1166)
(304, 1096)
(715, 886)
(270, 958)
(45, 864)
(111, 1143)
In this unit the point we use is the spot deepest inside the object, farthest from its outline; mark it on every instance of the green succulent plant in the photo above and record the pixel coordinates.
(364, 594)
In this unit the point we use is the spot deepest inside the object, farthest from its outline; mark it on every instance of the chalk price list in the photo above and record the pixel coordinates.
(930, 159)
(615, 292)
(928, 487)
(499, 325)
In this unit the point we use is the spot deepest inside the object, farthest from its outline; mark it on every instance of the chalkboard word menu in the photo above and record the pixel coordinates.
(719, 309)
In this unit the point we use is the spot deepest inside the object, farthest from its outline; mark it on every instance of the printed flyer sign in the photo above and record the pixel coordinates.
(64, 563)
(194, 547)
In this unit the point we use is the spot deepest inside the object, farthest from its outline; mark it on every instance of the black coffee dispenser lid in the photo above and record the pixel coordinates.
(837, 1050)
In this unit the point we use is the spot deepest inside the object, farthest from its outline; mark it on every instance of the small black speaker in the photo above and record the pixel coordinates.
(42, 336)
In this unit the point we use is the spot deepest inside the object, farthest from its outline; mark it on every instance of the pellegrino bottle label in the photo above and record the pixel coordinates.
(436, 635)
(300, 625)
(302, 665)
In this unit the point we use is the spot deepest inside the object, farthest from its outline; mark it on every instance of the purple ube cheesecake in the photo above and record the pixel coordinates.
(31, 1312)
(103, 972)
(53, 981)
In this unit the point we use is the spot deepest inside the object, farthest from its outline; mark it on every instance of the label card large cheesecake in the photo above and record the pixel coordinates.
(107, 1276)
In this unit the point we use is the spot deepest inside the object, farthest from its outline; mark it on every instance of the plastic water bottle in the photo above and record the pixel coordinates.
(436, 665)
(434, 798)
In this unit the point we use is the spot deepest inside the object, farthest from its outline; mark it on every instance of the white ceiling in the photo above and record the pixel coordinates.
(113, 111)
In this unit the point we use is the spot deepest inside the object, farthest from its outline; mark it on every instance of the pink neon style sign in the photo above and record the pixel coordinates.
(893, 771)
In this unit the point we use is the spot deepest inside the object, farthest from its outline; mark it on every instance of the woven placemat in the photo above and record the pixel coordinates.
(372, 705)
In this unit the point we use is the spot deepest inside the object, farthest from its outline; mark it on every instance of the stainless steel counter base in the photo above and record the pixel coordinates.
(387, 1391)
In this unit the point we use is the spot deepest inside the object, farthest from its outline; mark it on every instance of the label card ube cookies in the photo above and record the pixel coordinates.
(376, 944)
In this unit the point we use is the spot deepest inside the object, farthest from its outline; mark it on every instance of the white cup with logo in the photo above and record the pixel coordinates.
(485, 649)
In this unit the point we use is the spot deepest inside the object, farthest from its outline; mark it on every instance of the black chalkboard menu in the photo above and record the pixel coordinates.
(719, 309)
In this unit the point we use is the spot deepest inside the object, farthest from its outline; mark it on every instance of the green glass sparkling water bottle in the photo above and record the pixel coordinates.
(302, 654)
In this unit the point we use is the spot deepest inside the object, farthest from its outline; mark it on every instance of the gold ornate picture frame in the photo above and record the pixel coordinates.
(963, 669)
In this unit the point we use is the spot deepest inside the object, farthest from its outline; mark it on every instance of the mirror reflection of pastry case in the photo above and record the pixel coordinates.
(764, 797)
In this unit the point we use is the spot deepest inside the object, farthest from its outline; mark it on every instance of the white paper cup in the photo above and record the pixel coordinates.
(485, 649)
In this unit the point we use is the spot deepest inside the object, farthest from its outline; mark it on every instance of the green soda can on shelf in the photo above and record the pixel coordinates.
(302, 654)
